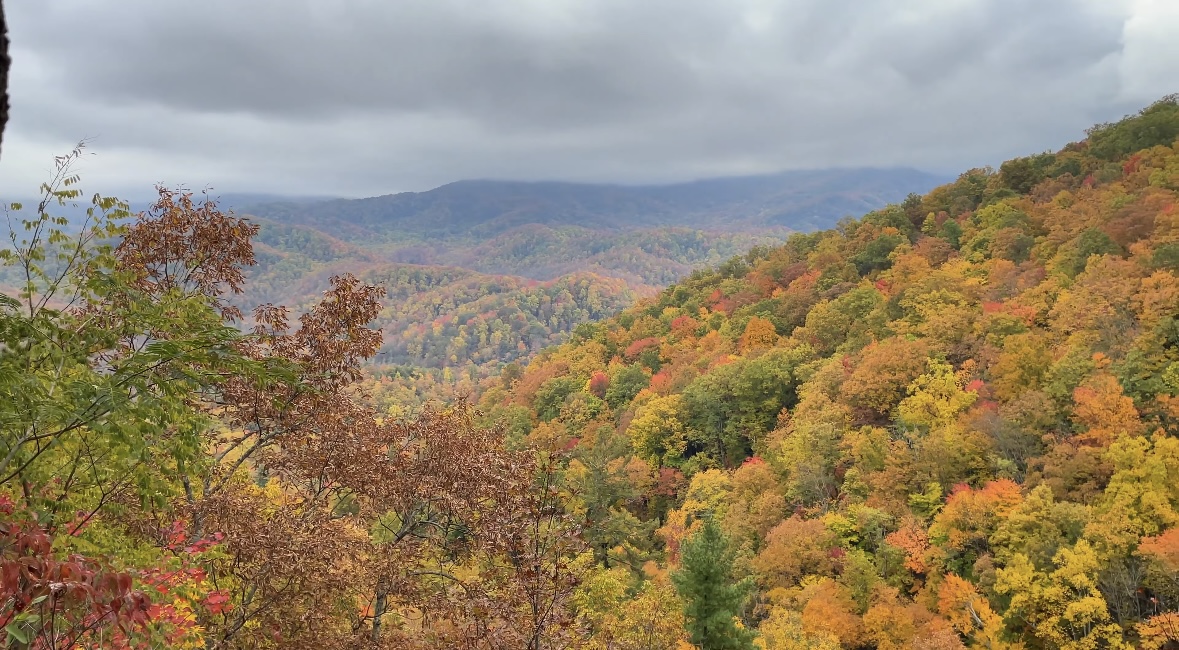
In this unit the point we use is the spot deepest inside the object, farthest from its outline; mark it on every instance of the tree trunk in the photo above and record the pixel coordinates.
(4, 64)
(378, 612)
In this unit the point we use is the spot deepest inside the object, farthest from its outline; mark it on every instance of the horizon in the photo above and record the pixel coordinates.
(268, 197)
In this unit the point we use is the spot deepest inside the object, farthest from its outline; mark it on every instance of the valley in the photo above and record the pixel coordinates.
(483, 273)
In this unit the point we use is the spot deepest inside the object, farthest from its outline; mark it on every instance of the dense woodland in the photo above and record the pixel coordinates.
(482, 260)
(449, 317)
(948, 424)
(476, 305)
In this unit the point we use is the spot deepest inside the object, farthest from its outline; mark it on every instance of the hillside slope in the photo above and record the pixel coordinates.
(484, 305)
(952, 422)
(611, 242)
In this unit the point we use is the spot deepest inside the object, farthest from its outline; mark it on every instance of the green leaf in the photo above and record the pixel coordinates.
(16, 633)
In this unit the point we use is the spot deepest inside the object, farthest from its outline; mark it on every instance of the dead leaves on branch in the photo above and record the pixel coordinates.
(190, 246)
(339, 528)
(339, 524)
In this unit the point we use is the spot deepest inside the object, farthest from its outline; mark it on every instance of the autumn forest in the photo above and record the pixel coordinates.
(950, 423)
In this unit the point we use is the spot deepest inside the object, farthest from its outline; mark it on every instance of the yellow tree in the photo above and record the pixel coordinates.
(620, 617)
(936, 398)
(784, 630)
(970, 614)
(796, 548)
(1064, 608)
(756, 504)
(759, 334)
(656, 433)
(1021, 366)
(708, 493)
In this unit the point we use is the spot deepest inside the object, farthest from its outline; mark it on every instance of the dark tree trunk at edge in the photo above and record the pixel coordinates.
(4, 63)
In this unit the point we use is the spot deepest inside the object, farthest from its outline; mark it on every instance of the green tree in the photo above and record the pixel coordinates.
(1090, 242)
(552, 394)
(712, 598)
(1157, 124)
(625, 384)
(729, 409)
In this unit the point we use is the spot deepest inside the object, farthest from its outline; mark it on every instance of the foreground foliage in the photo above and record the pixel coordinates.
(168, 480)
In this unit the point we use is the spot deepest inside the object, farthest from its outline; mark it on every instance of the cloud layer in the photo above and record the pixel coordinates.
(360, 97)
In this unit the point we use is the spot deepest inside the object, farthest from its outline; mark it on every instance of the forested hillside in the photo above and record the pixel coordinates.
(442, 311)
(951, 423)
(482, 245)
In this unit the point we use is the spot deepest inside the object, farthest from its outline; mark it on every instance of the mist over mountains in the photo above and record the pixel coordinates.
(798, 200)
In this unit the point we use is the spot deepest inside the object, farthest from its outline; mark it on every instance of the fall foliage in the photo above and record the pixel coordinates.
(948, 424)
(170, 478)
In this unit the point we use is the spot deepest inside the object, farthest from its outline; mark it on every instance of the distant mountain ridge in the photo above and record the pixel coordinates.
(484, 272)
(798, 200)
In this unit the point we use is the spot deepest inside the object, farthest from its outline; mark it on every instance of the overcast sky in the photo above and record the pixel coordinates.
(364, 97)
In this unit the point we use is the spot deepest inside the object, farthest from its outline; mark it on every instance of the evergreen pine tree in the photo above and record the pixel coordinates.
(713, 599)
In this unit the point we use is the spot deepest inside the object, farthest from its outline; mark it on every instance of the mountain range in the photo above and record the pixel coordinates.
(797, 200)
(487, 271)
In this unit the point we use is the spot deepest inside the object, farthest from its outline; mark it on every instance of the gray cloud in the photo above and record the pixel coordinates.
(363, 96)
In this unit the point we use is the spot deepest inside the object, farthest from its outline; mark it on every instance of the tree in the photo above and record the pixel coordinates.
(625, 383)
(883, 372)
(1103, 411)
(61, 603)
(796, 548)
(830, 610)
(603, 482)
(1161, 554)
(114, 352)
(620, 617)
(597, 385)
(1021, 366)
(890, 623)
(784, 630)
(969, 613)
(935, 398)
(713, 601)
(1019, 175)
(759, 334)
(1063, 607)
(1038, 527)
(142, 425)
(756, 504)
(971, 516)
(1155, 124)
(656, 433)
(729, 409)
